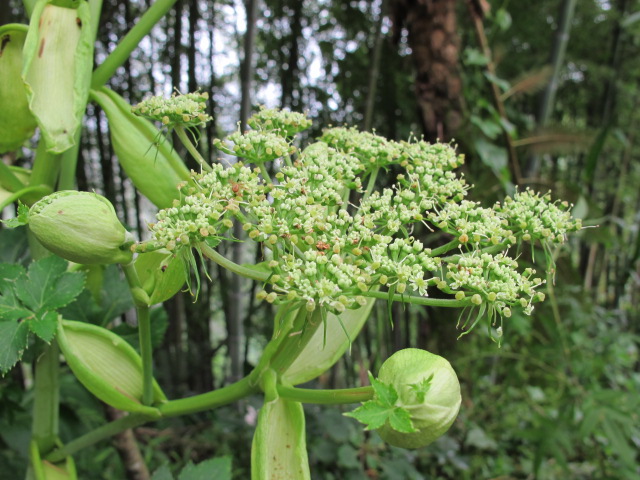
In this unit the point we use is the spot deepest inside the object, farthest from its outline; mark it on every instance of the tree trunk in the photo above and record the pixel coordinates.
(291, 71)
(434, 42)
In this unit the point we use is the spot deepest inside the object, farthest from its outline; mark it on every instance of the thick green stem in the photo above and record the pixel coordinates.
(8, 180)
(174, 408)
(130, 42)
(418, 300)
(142, 301)
(186, 141)
(224, 262)
(105, 431)
(210, 400)
(28, 195)
(46, 167)
(46, 399)
(326, 397)
(265, 173)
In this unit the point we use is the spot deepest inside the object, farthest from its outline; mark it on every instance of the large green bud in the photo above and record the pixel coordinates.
(17, 123)
(81, 227)
(434, 411)
(149, 160)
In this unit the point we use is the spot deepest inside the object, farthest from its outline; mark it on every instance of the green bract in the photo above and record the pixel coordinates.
(81, 227)
(58, 60)
(432, 412)
(17, 124)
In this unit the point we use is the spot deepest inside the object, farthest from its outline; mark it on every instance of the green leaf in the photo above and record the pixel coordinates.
(39, 283)
(13, 341)
(373, 414)
(400, 420)
(68, 287)
(21, 219)
(9, 273)
(10, 307)
(421, 389)
(385, 394)
(218, 468)
(44, 326)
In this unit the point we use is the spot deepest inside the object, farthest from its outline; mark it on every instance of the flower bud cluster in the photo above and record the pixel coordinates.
(325, 252)
(256, 146)
(186, 109)
(493, 279)
(533, 216)
(282, 122)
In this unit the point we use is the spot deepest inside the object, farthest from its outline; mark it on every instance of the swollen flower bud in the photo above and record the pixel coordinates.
(81, 227)
(428, 388)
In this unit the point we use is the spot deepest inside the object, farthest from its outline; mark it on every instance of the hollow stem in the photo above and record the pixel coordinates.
(141, 300)
(186, 141)
(326, 397)
(224, 262)
(419, 300)
(46, 399)
(8, 179)
(101, 433)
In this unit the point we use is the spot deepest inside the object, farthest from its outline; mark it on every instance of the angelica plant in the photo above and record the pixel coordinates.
(332, 244)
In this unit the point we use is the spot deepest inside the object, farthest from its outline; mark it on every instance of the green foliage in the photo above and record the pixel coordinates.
(29, 300)
(382, 408)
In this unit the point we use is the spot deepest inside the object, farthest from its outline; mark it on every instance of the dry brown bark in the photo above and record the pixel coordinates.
(435, 44)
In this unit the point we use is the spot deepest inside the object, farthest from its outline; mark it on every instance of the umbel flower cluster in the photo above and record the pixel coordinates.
(330, 239)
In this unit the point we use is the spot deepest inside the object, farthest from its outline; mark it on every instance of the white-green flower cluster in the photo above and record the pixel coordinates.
(282, 122)
(188, 110)
(329, 241)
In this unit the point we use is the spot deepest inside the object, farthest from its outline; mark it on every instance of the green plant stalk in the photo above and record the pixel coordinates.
(8, 179)
(46, 167)
(445, 248)
(68, 164)
(105, 431)
(130, 42)
(224, 262)
(173, 408)
(326, 397)
(186, 141)
(265, 173)
(372, 182)
(210, 400)
(141, 300)
(289, 317)
(418, 300)
(38, 191)
(46, 399)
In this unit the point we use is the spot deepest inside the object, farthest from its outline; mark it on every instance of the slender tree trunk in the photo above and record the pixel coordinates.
(434, 42)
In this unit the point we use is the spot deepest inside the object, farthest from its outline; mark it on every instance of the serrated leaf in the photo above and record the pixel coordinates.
(10, 308)
(385, 394)
(373, 414)
(218, 468)
(400, 420)
(68, 286)
(48, 286)
(22, 217)
(38, 285)
(9, 272)
(14, 244)
(13, 341)
(420, 389)
(44, 326)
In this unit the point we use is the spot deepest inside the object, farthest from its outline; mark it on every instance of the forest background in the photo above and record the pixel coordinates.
(535, 94)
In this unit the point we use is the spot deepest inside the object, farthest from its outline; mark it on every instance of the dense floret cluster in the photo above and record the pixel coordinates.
(188, 110)
(329, 241)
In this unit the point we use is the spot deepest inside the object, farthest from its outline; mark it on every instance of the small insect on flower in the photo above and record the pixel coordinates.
(322, 245)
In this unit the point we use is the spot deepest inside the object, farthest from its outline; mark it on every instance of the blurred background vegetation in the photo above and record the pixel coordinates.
(538, 94)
